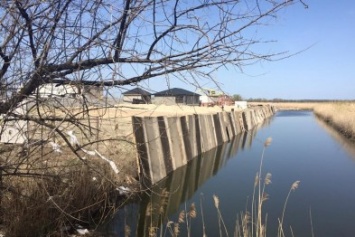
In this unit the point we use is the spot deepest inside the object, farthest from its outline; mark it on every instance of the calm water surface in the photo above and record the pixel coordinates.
(302, 149)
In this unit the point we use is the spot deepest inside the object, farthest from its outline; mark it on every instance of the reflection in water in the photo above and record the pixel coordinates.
(294, 113)
(165, 198)
(346, 144)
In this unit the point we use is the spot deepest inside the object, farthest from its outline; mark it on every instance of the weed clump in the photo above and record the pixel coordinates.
(57, 203)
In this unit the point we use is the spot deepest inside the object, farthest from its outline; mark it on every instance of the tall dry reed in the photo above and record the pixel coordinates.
(255, 224)
(248, 224)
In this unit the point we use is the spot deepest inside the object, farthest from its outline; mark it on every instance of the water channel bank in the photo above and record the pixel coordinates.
(301, 150)
(340, 117)
(338, 114)
(165, 144)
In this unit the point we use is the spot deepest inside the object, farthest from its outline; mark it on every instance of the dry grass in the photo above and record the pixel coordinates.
(339, 115)
(52, 204)
(289, 105)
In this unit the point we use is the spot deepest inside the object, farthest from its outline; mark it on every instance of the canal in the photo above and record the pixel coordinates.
(302, 149)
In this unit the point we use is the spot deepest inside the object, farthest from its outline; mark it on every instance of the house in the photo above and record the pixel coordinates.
(176, 96)
(241, 104)
(211, 97)
(69, 90)
(137, 96)
(223, 100)
(60, 93)
(70, 93)
(54, 90)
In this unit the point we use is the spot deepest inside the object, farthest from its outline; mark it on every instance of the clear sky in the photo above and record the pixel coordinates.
(324, 71)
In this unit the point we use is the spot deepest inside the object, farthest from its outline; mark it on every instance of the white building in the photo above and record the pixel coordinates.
(241, 104)
(53, 89)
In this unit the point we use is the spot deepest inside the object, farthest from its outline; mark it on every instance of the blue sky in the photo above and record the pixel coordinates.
(324, 71)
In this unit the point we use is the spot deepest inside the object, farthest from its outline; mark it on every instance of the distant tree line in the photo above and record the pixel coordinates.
(238, 97)
(279, 100)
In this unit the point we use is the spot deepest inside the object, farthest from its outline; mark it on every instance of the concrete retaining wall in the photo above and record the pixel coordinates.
(166, 143)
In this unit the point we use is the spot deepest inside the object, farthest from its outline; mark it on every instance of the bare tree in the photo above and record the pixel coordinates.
(116, 43)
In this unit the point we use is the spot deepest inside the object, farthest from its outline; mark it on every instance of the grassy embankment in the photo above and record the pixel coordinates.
(341, 116)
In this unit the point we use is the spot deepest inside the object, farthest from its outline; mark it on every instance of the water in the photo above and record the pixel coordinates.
(302, 149)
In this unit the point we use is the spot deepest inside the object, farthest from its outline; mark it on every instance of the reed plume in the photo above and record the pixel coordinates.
(182, 217)
(220, 217)
(267, 179)
(192, 212)
(216, 201)
(268, 142)
(176, 229)
(294, 186)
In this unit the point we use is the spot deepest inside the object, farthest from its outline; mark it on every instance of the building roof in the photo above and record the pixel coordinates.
(136, 91)
(176, 91)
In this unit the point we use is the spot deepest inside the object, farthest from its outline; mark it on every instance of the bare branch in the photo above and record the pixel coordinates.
(61, 41)
(122, 31)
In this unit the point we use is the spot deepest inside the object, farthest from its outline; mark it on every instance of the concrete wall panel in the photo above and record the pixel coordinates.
(166, 143)
(207, 132)
(189, 141)
(228, 126)
(155, 149)
(247, 119)
(219, 128)
(176, 142)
